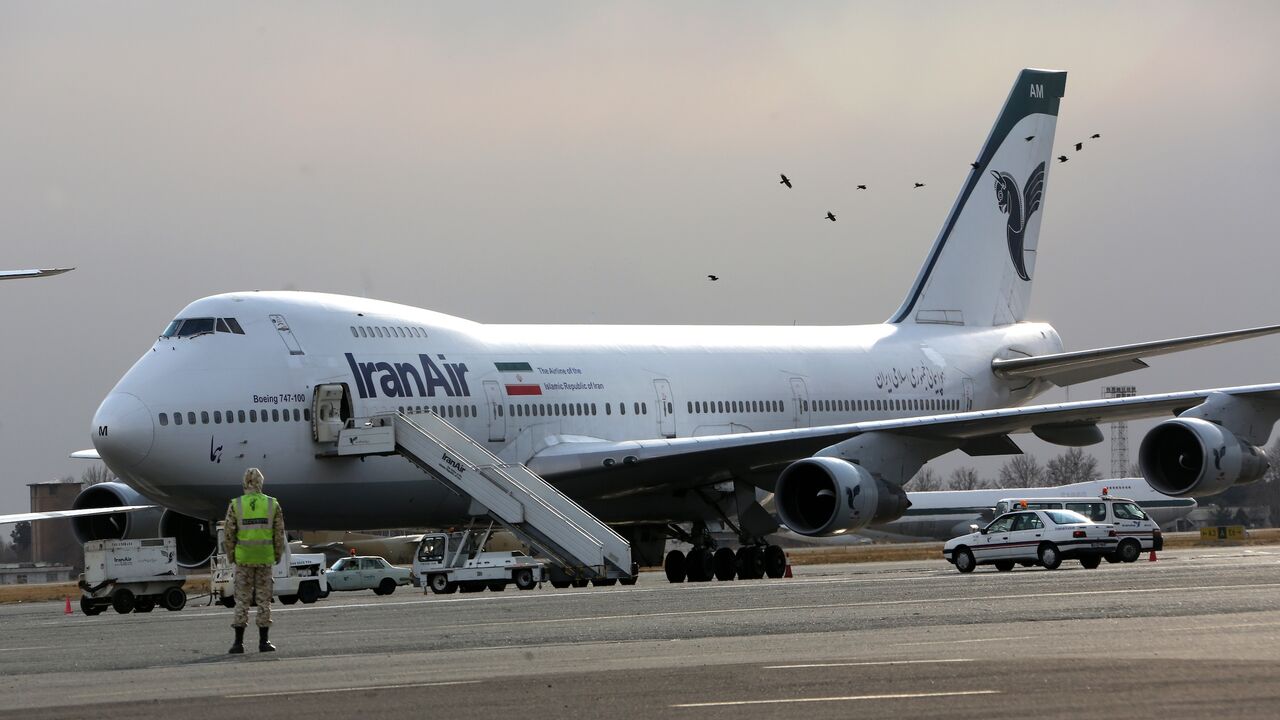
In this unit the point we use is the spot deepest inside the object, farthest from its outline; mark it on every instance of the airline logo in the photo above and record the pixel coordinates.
(424, 379)
(513, 374)
(1019, 207)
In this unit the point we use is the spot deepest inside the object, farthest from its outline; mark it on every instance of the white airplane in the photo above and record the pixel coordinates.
(944, 514)
(20, 274)
(655, 429)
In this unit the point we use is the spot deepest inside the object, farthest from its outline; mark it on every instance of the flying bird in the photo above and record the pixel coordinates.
(862, 187)
(1062, 158)
(785, 181)
(1095, 136)
(1029, 138)
(713, 278)
(1079, 146)
(919, 185)
(831, 217)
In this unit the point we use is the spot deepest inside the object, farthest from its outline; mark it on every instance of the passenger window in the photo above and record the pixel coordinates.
(231, 417)
(240, 415)
(354, 334)
(275, 416)
(1096, 512)
(191, 418)
(644, 408)
(217, 417)
(177, 418)
(164, 419)
(306, 414)
(296, 415)
(253, 416)
(593, 408)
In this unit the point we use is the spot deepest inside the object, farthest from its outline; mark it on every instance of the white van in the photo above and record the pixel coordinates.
(1138, 533)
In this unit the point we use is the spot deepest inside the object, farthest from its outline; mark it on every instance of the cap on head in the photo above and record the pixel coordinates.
(253, 480)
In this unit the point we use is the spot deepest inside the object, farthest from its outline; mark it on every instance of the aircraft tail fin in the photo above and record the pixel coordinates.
(980, 268)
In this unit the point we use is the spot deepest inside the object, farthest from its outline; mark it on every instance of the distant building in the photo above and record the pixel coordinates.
(53, 541)
(32, 573)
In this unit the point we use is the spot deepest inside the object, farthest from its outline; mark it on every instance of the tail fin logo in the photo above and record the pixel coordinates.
(1019, 208)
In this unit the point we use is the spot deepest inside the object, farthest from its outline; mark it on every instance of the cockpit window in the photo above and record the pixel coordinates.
(190, 327)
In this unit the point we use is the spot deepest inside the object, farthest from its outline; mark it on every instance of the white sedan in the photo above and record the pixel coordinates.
(366, 573)
(1033, 537)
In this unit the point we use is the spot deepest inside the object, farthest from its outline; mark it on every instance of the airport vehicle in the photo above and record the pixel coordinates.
(294, 577)
(1043, 537)
(131, 576)
(1136, 531)
(603, 441)
(447, 562)
(366, 572)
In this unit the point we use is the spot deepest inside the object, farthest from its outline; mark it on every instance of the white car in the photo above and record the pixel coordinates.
(366, 572)
(1135, 530)
(1033, 537)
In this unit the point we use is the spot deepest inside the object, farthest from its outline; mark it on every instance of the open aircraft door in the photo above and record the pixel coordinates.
(497, 419)
(330, 410)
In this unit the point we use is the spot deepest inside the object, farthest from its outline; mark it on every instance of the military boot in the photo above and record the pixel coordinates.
(264, 645)
(237, 647)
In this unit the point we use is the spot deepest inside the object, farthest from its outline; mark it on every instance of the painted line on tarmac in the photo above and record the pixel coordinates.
(842, 698)
(33, 647)
(353, 689)
(869, 603)
(957, 642)
(869, 663)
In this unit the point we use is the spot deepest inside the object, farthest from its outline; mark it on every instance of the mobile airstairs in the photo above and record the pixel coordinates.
(511, 495)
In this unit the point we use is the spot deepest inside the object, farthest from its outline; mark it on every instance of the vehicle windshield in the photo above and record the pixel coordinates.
(1128, 511)
(342, 564)
(1001, 524)
(1066, 517)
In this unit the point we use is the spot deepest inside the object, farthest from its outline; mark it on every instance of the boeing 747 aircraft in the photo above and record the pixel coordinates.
(657, 430)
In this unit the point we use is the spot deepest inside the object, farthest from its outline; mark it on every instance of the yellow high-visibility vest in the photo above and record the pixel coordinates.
(254, 544)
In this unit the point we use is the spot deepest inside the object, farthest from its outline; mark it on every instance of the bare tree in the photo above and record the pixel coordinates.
(965, 478)
(1072, 466)
(925, 480)
(1022, 471)
(97, 473)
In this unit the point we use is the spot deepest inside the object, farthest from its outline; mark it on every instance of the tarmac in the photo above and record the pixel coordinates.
(1196, 634)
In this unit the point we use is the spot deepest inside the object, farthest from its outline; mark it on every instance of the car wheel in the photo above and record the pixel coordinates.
(439, 583)
(122, 601)
(173, 599)
(387, 586)
(964, 560)
(144, 605)
(497, 586)
(1050, 557)
(1004, 565)
(309, 592)
(1091, 562)
(524, 579)
(562, 584)
(228, 602)
(1129, 550)
(288, 599)
(89, 607)
(1112, 558)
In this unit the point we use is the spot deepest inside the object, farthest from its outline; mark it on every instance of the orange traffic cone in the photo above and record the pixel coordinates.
(67, 611)
(787, 572)
(1152, 556)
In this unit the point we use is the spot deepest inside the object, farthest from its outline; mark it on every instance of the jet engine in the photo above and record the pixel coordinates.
(1188, 456)
(821, 496)
(194, 538)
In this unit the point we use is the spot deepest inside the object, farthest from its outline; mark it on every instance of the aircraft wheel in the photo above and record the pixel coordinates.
(725, 564)
(675, 566)
(775, 561)
(750, 563)
(173, 599)
(699, 566)
(1050, 558)
(122, 601)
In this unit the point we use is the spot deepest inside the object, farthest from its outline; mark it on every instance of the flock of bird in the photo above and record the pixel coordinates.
(916, 186)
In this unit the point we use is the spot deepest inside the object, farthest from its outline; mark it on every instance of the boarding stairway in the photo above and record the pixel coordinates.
(510, 494)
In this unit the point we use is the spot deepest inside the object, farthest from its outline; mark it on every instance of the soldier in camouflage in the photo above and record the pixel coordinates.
(254, 541)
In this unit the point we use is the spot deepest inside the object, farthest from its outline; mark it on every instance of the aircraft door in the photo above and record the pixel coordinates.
(666, 408)
(291, 342)
(968, 394)
(497, 419)
(799, 403)
(329, 412)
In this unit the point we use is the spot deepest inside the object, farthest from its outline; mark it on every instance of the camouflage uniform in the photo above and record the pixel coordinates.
(253, 580)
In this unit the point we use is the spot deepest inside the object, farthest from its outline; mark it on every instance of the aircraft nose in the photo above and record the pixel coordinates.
(122, 430)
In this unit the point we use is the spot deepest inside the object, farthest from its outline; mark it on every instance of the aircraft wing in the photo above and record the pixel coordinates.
(54, 514)
(602, 469)
(1069, 368)
(20, 274)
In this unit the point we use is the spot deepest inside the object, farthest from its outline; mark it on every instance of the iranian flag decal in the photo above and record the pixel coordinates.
(513, 378)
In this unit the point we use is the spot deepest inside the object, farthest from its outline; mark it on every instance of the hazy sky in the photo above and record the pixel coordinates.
(591, 162)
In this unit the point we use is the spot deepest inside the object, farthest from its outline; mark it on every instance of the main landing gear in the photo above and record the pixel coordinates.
(702, 564)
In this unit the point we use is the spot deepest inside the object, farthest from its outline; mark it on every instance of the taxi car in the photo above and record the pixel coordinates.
(366, 572)
(1033, 537)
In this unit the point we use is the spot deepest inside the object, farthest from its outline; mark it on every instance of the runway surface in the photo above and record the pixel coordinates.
(1196, 634)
